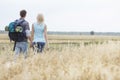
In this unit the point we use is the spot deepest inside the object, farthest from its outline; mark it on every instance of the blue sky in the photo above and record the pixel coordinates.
(66, 15)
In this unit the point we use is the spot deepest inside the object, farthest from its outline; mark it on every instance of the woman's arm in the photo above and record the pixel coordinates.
(45, 34)
(32, 33)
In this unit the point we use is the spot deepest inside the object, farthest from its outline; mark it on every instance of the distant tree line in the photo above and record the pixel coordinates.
(92, 33)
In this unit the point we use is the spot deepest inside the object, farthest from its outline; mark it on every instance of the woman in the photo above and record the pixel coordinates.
(39, 33)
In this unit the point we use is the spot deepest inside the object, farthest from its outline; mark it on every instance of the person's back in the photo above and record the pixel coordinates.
(25, 26)
(22, 45)
(39, 33)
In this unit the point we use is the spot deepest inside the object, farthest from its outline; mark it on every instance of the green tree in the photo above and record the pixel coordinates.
(6, 28)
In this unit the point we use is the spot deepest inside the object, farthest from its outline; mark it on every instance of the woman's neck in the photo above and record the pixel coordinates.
(39, 22)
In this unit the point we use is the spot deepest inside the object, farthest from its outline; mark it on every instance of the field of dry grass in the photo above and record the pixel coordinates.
(80, 58)
(66, 38)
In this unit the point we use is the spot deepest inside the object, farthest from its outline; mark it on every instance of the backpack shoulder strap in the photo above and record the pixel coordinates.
(19, 22)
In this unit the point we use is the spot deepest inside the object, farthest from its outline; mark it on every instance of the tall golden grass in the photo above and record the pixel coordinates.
(92, 62)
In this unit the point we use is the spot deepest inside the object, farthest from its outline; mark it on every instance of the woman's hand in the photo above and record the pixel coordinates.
(47, 46)
(31, 45)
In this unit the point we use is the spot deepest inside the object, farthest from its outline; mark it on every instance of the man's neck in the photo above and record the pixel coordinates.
(22, 18)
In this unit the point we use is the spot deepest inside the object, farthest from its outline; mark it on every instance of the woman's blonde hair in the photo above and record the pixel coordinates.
(40, 18)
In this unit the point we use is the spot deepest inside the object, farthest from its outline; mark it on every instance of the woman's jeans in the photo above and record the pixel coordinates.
(39, 46)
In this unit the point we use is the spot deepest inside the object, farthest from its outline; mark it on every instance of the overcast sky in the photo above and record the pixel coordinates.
(66, 15)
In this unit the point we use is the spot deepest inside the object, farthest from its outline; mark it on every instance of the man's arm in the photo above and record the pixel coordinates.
(28, 34)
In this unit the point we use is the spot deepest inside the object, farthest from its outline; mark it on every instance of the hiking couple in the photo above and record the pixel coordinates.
(21, 34)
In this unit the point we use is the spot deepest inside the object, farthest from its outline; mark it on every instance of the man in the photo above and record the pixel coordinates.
(22, 46)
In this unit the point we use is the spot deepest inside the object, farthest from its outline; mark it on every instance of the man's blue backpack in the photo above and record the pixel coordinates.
(11, 27)
(17, 31)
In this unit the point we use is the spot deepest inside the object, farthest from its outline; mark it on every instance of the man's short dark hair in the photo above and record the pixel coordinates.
(23, 13)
